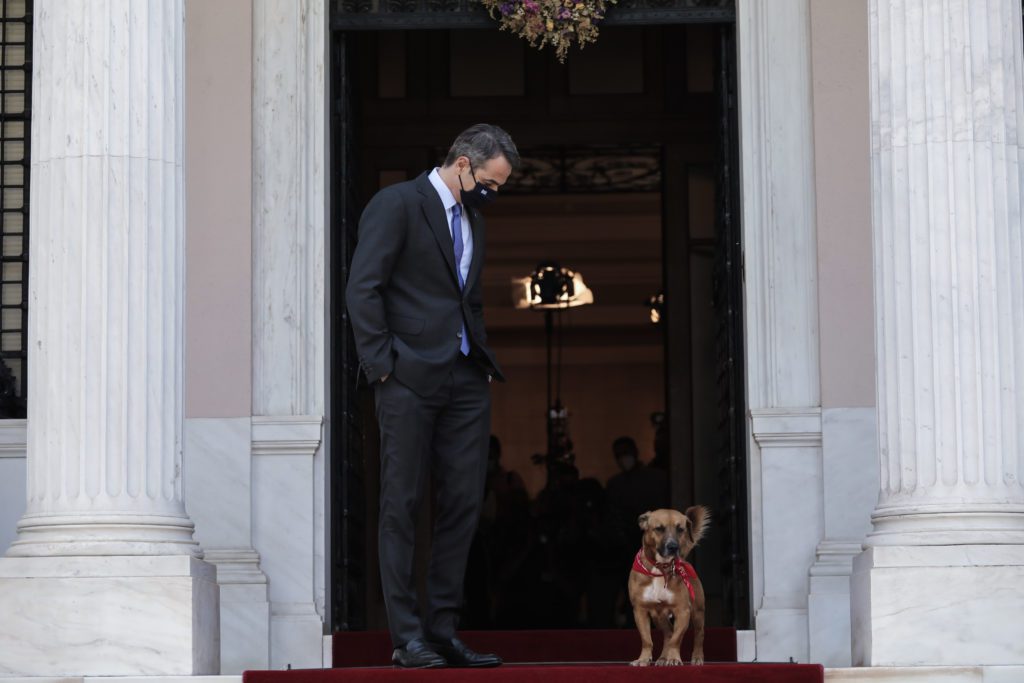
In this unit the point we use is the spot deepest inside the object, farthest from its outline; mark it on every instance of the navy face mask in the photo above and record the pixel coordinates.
(480, 195)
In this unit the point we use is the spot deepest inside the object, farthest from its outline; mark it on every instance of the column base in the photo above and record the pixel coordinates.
(108, 616)
(296, 636)
(244, 610)
(108, 534)
(828, 622)
(938, 605)
(781, 634)
(828, 604)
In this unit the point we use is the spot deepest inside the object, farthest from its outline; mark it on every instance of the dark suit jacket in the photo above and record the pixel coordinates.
(403, 294)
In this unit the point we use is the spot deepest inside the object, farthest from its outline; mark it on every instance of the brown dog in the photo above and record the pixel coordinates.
(663, 587)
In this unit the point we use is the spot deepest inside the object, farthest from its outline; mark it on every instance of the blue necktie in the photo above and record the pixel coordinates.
(459, 247)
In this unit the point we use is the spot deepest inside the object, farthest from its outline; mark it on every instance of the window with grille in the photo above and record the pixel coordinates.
(15, 98)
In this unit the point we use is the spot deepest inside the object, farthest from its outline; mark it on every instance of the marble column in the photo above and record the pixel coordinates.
(289, 324)
(105, 577)
(947, 123)
(781, 318)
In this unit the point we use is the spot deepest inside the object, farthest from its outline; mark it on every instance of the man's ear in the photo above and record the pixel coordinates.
(642, 520)
(700, 520)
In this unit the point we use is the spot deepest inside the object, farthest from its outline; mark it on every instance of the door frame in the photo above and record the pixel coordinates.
(346, 566)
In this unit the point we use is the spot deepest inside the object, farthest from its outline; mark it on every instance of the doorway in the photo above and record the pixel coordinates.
(629, 179)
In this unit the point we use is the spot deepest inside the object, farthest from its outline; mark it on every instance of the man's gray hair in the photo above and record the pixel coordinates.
(481, 143)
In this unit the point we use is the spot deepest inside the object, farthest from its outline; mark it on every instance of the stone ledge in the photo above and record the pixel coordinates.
(80, 617)
(100, 566)
(940, 556)
(926, 674)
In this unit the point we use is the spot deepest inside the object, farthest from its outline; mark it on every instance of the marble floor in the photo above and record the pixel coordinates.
(927, 674)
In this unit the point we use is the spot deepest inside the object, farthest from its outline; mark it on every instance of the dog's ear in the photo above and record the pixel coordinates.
(700, 520)
(642, 520)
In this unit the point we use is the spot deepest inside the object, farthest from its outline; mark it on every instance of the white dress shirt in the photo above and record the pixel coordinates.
(448, 199)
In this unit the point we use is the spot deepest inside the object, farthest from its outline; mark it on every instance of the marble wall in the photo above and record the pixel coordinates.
(219, 490)
(839, 80)
(781, 312)
(285, 525)
(255, 486)
(12, 479)
(218, 316)
(849, 485)
(257, 314)
(218, 187)
(290, 322)
(246, 308)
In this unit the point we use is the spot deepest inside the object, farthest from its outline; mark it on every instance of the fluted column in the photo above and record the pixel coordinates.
(104, 578)
(947, 127)
(106, 284)
(947, 551)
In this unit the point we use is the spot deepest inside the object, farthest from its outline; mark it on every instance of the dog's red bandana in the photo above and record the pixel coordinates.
(680, 567)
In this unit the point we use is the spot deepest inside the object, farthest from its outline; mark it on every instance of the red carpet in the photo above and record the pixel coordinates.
(560, 656)
(559, 673)
(373, 648)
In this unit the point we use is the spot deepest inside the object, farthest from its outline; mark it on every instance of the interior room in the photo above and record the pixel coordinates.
(623, 184)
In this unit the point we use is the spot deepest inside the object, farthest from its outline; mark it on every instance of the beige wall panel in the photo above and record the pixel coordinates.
(839, 52)
(218, 178)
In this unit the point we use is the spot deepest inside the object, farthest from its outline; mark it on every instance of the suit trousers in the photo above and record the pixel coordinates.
(443, 437)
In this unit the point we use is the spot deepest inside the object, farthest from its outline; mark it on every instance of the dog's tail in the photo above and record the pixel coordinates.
(700, 520)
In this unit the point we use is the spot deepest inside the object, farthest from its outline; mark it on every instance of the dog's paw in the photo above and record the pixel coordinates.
(697, 661)
(641, 662)
(669, 661)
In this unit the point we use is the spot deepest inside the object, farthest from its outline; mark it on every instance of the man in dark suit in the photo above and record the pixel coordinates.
(414, 302)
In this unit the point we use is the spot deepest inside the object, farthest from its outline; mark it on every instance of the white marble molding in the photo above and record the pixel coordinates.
(850, 489)
(787, 461)
(781, 316)
(218, 484)
(290, 206)
(284, 528)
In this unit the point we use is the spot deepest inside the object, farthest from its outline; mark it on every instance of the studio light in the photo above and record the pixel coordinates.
(551, 287)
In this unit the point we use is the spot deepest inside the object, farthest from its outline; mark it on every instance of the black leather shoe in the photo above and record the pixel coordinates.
(417, 655)
(458, 654)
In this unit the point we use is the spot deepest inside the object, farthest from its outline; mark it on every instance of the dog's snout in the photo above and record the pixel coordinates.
(672, 546)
